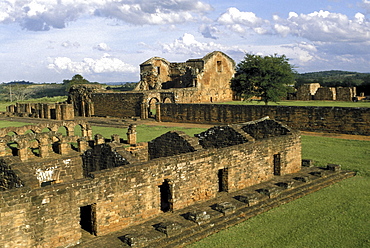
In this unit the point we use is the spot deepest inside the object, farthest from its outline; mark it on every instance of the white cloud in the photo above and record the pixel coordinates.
(41, 15)
(239, 21)
(324, 26)
(187, 44)
(102, 47)
(106, 64)
(69, 44)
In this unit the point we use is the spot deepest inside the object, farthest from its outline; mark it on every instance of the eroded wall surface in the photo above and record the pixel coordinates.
(316, 119)
(117, 197)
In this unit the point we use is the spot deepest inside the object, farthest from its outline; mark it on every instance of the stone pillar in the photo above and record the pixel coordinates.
(67, 112)
(158, 112)
(144, 111)
(131, 134)
(115, 138)
(82, 144)
(44, 150)
(64, 147)
(3, 149)
(58, 112)
(22, 151)
(99, 139)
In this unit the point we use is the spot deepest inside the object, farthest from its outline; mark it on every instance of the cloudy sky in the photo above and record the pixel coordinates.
(106, 40)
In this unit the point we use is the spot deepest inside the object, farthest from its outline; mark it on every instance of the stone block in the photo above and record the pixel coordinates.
(307, 163)
(286, 184)
(198, 217)
(224, 207)
(333, 167)
(304, 179)
(271, 192)
(134, 240)
(322, 173)
(169, 228)
(250, 199)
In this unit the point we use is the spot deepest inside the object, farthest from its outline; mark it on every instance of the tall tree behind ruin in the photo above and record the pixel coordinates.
(267, 78)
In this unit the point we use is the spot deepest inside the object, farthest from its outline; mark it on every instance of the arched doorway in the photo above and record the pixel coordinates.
(152, 109)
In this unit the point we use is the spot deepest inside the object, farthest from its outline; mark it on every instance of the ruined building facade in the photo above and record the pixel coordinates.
(314, 91)
(54, 186)
(202, 80)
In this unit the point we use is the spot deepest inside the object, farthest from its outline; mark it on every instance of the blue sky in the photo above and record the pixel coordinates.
(106, 40)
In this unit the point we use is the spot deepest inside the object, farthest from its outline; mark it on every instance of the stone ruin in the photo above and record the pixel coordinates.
(54, 186)
(314, 91)
(195, 81)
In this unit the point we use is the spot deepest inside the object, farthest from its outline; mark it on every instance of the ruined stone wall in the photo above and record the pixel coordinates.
(56, 111)
(123, 196)
(346, 93)
(307, 91)
(326, 93)
(118, 104)
(316, 119)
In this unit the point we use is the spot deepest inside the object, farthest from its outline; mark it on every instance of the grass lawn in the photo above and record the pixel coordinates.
(13, 124)
(365, 104)
(144, 133)
(336, 216)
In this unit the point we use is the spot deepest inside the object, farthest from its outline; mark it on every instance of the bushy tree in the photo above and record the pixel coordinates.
(268, 78)
(76, 79)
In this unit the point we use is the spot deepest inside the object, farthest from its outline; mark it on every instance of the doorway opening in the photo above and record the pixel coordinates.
(166, 196)
(277, 164)
(223, 178)
(87, 218)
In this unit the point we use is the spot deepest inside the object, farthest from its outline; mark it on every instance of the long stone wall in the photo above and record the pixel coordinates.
(117, 104)
(54, 215)
(316, 119)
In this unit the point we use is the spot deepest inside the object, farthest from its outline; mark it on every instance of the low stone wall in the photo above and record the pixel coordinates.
(54, 216)
(317, 119)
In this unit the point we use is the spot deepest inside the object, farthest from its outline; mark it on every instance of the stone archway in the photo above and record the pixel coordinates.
(152, 110)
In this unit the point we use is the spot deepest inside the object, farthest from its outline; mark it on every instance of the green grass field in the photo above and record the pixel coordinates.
(362, 104)
(144, 133)
(336, 216)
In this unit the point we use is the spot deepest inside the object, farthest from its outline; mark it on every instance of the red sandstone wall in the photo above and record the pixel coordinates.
(49, 216)
(316, 119)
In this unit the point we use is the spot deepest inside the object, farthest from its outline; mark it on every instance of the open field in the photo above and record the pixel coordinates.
(361, 104)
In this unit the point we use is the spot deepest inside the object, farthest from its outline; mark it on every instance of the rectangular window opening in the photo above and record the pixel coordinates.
(219, 66)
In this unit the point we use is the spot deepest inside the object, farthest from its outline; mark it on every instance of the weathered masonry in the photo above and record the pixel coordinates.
(194, 81)
(56, 111)
(48, 199)
(316, 119)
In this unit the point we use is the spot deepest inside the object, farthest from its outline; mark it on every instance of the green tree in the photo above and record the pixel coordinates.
(268, 78)
(76, 79)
